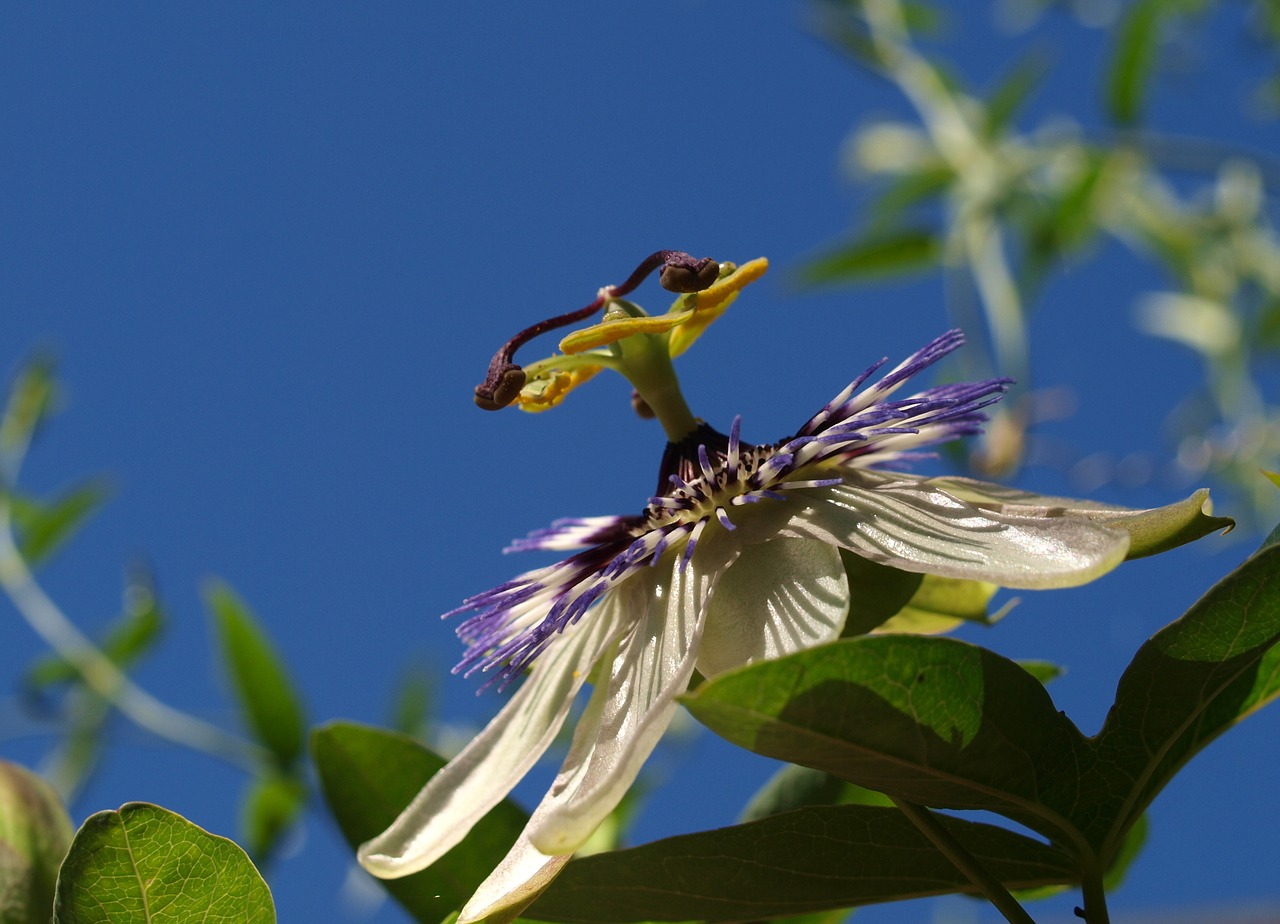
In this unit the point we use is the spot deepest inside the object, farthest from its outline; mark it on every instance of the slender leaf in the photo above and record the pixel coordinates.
(146, 864)
(268, 701)
(271, 808)
(126, 639)
(44, 527)
(368, 776)
(1132, 59)
(1005, 101)
(886, 253)
(31, 399)
(799, 862)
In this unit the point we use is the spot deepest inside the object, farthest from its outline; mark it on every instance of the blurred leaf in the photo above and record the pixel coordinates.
(124, 641)
(928, 720)
(268, 702)
(1005, 101)
(884, 253)
(1044, 671)
(800, 862)
(1136, 41)
(43, 528)
(1189, 683)
(270, 808)
(791, 788)
(940, 604)
(884, 599)
(1272, 477)
(144, 863)
(368, 776)
(413, 700)
(795, 787)
(907, 191)
(30, 400)
(34, 834)
(1134, 840)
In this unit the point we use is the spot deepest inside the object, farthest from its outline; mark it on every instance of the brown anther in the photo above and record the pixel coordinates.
(689, 277)
(496, 392)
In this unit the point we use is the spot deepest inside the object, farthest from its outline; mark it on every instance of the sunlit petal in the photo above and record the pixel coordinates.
(495, 760)
(779, 597)
(521, 876)
(912, 525)
(652, 668)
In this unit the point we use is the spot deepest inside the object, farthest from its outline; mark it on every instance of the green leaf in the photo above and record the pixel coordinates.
(31, 398)
(799, 862)
(1044, 671)
(928, 720)
(144, 863)
(125, 640)
(795, 787)
(1005, 101)
(368, 776)
(876, 592)
(44, 527)
(885, 253)
(884, 599)
(268, 702)
(270, 809)
(1188, 684)
(909, 190)
(1136, 41)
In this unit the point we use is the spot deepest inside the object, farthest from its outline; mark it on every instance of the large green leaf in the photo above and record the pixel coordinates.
(798, 862)
(268, 702)
(950, 725)
(146, 864)
(928, 720)
(1188, 684)
(369, 775)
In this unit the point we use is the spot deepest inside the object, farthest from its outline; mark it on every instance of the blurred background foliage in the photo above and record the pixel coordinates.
(1001, 207)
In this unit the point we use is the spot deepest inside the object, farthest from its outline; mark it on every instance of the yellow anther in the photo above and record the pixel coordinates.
(712, 302)
(613, 330)
(545, 392)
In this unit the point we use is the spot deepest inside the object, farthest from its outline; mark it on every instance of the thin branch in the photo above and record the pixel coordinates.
(964, 861)
(101, 675)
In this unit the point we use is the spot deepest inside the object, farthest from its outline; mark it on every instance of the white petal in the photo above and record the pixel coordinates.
(915, 526)
(778, 597)
(481, 776)
(636, 703)
(521, 876)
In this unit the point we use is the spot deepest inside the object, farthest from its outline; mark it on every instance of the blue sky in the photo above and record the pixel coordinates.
(273, 247)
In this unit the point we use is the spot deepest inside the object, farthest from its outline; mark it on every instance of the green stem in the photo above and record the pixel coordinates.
(100, 673)
(964, 861)
(1095, 898)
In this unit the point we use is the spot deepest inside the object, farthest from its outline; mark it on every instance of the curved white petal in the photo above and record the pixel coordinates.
(521, 876)
(777, 598)
(635, 705)
(916, 526)
(481, 776)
